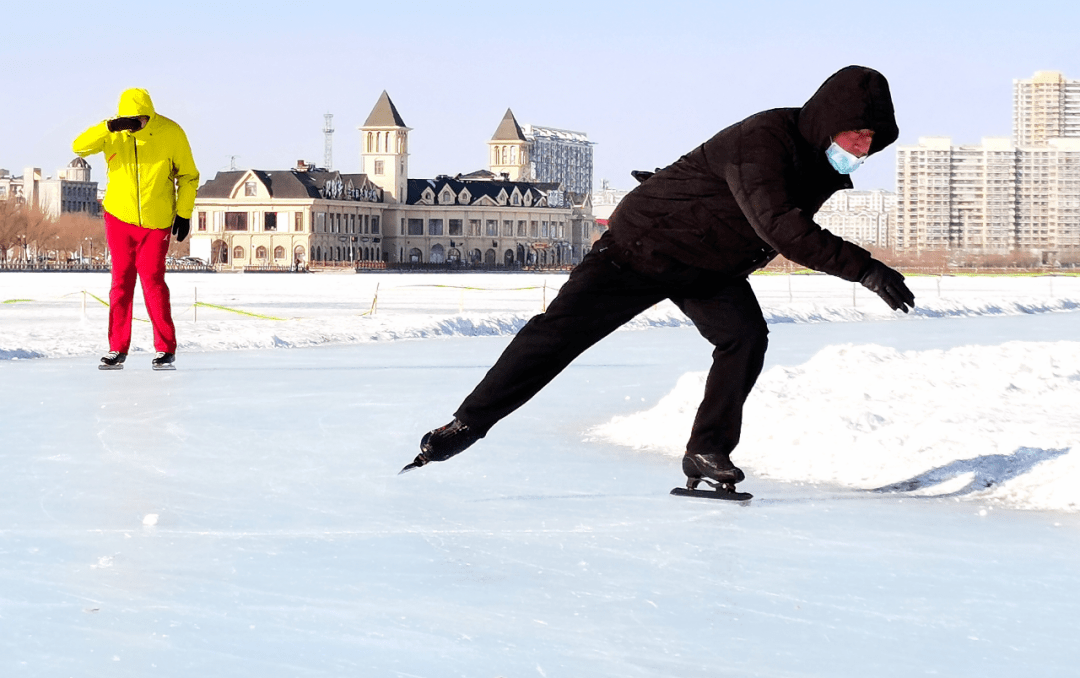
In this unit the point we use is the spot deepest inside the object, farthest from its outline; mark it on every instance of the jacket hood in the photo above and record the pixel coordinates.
(853, 98)
(135, 101)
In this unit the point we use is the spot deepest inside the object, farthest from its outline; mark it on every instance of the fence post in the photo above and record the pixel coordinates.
(543, 300)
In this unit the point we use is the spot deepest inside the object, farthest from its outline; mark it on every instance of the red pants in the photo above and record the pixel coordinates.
(138, 251)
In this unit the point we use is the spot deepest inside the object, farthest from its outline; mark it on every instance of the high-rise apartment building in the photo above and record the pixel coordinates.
(542, 154)
(1000, 196)
(1045, 106)
(863, 217)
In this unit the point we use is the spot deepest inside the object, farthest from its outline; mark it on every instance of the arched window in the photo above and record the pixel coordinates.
(416, 256)
(438, 254)
(279, 252)
(238, 252)
(369, 142)
(298, 254)
(260, 252)
(505, 155)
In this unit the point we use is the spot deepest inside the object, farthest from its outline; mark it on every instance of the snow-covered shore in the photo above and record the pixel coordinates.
(48, 315)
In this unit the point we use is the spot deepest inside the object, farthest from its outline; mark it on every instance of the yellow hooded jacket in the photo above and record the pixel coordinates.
(152, 176)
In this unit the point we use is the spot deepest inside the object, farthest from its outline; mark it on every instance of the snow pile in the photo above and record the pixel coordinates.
(977, 422)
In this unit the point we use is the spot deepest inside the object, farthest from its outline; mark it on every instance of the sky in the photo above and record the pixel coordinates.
(647, 81)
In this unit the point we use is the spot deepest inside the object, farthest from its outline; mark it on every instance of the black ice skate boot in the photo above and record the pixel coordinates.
(163, 361)
(716, 467)
(113, 360)
(443, 443)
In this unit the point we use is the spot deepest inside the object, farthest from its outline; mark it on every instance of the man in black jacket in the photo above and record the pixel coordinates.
(692, 233)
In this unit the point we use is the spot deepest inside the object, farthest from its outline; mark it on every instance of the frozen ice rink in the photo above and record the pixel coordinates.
(242, 515)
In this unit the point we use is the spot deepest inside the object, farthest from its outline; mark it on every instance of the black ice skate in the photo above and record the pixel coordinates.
(443, 443)
(715, 470)
(163, 361)
(113, 360)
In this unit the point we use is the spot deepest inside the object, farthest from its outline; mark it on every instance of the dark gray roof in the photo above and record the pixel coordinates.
(477, 189)
(385, 114)
(281, 184)
(508, 129)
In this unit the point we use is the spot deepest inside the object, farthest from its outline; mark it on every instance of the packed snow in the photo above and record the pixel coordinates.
(243, 516)
(983, 423)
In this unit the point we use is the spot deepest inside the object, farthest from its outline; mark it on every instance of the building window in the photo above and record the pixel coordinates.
(202, 221)
(260, 252)
(416, 227)
(508, 229)
(474, 227)
(492, 228)
(236, 221)
(455, 227)
(379, 168)
(521, 229)
(238, 253)
(320, 222)
(270, 221)
(435, 227)
(249, 189)
(298, 221)
(279, 252)
(374, 225)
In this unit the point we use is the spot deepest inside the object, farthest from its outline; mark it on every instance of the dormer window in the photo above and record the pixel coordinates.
(515, 199)
(249, 189)
(464, 198)
(502, 197)
(447, 197)
(428, 197)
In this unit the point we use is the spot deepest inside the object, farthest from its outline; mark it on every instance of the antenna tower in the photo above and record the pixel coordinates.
(328, 146)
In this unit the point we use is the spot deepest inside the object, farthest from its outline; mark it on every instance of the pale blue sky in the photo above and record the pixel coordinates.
(647, 81)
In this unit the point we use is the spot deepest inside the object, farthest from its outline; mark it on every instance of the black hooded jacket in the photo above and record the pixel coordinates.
(750, 192)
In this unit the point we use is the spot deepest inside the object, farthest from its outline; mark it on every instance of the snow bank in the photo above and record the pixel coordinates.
(991, 423)
(62, 315)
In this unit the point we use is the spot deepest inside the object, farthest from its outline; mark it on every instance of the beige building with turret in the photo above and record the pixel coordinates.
(310, 217)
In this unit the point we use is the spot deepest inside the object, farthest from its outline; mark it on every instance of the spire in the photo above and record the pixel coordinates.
(384, 114)
(508, 129)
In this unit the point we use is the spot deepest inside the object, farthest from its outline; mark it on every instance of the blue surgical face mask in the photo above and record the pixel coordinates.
(841, 160)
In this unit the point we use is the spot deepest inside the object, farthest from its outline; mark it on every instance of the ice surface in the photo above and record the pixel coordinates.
(286, 545)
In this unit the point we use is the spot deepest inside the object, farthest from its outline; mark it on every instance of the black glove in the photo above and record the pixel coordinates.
(130, 123)
(889, 285)
(180, 227)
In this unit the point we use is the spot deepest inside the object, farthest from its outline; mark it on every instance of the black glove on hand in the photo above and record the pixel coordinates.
(889, 285)
(180, 227)
(130, 123)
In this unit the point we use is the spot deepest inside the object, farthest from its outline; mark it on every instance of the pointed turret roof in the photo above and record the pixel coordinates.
(384, 114)
(508, 129)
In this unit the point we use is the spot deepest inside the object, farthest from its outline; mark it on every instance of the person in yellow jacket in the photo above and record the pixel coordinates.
(150, 196)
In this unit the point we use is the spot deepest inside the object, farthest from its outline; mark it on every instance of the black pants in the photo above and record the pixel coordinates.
(600, 296)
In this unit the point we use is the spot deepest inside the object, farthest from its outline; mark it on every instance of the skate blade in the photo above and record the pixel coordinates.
(164, 368)
(722, 495)
(110, 367)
